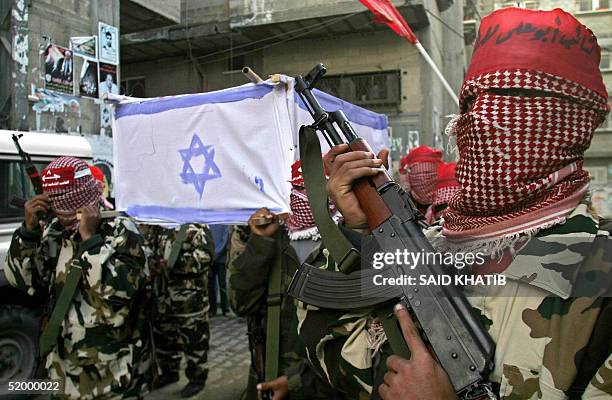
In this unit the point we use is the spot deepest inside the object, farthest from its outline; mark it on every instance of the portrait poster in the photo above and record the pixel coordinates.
(108, 38)
(59, 69)
(107, 76)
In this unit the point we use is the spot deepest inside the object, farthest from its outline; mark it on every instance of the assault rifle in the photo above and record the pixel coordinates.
(454, 333)
(258, 338)
(31, 170)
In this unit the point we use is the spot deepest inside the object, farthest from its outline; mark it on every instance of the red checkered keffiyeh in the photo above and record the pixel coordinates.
(70, 186)
(420, 167)
(301, 223)
(446, 187)
(521, 156)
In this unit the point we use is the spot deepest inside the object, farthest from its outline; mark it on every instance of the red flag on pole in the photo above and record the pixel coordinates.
(385, 12)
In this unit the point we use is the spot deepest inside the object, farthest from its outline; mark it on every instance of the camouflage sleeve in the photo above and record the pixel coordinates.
(304, 384)
(113, 265)
(197, 252)
(600, 386)
(24, 262)
(248, 274)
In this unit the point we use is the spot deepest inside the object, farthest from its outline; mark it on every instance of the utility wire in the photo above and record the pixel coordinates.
(444, 23)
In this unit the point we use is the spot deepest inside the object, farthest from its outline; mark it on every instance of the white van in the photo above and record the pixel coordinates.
(20, 313)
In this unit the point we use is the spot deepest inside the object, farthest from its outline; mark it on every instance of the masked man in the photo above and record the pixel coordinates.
(530, 103)
(249, 276)
(93, 337)
(418, 174)
(446, 187)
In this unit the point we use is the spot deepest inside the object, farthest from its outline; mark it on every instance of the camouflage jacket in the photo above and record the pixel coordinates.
(100, 342)
(552, 321)
(183, 288)
(248, 290)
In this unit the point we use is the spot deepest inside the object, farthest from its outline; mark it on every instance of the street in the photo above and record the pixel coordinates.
(228, 361)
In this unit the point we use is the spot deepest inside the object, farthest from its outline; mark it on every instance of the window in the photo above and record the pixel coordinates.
(606, 60)
(531, 4)
(14, 183)
(134, 87)
(369, 89)
(592, 5)
(235, 63)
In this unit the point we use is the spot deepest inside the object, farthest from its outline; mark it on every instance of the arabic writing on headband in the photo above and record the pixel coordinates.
(547, 34)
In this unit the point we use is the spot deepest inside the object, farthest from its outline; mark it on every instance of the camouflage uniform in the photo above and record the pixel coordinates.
(250, 260)
(551, 323)
(181, 303)
(102, 342)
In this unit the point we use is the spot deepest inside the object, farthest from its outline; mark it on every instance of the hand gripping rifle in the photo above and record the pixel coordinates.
(448, 324)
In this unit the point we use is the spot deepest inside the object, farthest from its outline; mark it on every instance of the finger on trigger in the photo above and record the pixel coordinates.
(410, 331)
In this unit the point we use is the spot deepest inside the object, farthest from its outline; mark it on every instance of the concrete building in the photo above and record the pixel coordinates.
(597, 15)
(367, 63)
(28, 26)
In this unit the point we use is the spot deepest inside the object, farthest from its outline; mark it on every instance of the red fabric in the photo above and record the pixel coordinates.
(419, 171)
(301, 215)
(58, 179)
(67, 199)
(97, 173)
(386, 13)
(553, 42)
(446, 175)
(296, 174)
(520, 156)
(446, 184)
(422, 181)
(422, 154)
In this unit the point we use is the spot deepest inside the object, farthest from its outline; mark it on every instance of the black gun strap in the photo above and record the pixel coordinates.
(338, 245)
(273, 315)
(346, 257)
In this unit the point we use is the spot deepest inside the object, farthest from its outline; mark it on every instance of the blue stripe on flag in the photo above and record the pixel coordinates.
(162, 104)
(355, 114)
(186, 215)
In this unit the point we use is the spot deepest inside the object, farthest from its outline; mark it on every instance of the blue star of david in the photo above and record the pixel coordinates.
(210, 170)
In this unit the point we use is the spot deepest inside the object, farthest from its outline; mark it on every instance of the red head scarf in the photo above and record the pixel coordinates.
(70, 185)
(521, 152)
(421, 165)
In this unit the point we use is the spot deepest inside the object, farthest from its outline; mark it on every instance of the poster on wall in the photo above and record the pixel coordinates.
(106, 120)
(109, 43)
(88, 79)
(107, 79)
(84, 46)
(59, 69)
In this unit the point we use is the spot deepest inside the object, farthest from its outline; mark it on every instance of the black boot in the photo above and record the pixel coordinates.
(192, 389)
(165, 380)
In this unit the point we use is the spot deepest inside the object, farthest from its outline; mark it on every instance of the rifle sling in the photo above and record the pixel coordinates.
(48, 339)
(346, 257)
(274, 301)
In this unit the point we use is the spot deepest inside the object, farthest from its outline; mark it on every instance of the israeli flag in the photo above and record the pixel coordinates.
(217, 157)
(371, 126)
(213, 157)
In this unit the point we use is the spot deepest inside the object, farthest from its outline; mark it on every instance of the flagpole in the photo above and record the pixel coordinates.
(433, 66)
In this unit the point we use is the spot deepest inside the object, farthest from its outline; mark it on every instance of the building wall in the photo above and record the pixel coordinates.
(55, 21)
